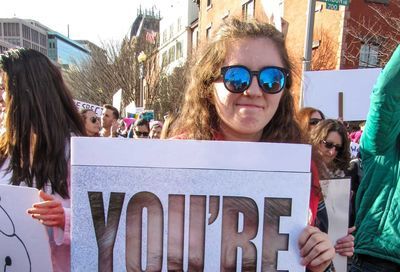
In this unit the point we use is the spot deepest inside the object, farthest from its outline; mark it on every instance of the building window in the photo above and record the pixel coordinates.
(179, 53)
(26, 32)
(179, 24)
(171, 31)
(43, 40)
(11, 29)
(171, 54)
(35, 36)
(164, 39)
(248, 10)
(164, 59)
(26, 44)
(208, 32)
(368, 55)
(13, 41)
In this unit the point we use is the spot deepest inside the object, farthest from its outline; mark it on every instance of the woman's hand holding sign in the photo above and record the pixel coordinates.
(345, 245)
(49, 212)
(316, 249)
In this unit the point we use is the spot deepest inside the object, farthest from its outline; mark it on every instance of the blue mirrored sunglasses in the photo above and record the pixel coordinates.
(271, 79)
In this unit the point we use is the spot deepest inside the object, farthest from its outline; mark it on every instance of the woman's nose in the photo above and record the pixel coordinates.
(254, 89)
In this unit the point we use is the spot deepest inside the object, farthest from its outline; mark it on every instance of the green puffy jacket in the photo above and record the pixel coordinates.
(378, 197)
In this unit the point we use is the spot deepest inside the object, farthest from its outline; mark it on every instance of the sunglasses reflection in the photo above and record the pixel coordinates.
(238, 78)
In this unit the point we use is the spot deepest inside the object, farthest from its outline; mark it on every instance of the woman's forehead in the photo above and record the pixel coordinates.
(258, 52)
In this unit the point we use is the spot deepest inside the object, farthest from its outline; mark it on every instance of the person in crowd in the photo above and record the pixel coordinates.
(377, 243)
(122, 130)
(307, 118)
(166, 129)
(140, 129)
(240, 91)
(331, 141)
(310, 118)
(35, 148)
(109, 121)
(329, 138)
(91, 122)
(155, 130)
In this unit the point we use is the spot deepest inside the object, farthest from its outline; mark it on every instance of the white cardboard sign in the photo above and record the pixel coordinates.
(24, 243)
(84, 105)
(321, 91)
(176, 205)
(337, 200)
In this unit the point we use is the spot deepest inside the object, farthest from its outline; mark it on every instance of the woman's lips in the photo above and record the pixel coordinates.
(250, 106)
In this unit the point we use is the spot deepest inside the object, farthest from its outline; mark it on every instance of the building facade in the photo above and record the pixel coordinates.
(24, 33)
(178, 33)
(65, 51)
(343, 38)
(145, 34)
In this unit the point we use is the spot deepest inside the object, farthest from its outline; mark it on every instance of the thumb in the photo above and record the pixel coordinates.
(351, 230)
(45, 196)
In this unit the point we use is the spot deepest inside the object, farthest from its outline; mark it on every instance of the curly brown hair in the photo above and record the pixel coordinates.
(198, 118)
(320, 133)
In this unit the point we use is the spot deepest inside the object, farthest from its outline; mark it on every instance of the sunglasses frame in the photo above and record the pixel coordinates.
(330, 145)
(284, 71)
(314, 121)
(140, 133)
(93, 119)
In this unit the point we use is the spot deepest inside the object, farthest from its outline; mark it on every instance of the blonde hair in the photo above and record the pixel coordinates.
(198, 118)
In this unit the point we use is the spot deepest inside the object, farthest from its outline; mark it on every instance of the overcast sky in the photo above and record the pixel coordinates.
(88, 19)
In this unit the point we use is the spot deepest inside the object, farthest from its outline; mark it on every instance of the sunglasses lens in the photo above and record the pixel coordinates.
(329, 145)
(141, 134)
(314, 121)
(237, 79)
(272, 80)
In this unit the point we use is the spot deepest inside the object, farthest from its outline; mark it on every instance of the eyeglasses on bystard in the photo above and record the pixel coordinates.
(271, 79)
(94, 119)
(314, 121)
(330, 145)
(141, 134)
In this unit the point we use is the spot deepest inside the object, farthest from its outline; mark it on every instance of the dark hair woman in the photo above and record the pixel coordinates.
(330, 138)
(34, 150)
(91, 122)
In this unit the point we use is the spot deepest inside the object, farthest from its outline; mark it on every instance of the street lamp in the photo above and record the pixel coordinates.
(141, 59)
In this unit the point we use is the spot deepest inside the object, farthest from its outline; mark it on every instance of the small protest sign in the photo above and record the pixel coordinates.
(24, 243)
(337, 200)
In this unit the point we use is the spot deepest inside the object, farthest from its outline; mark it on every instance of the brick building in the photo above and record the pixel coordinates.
(340, 40)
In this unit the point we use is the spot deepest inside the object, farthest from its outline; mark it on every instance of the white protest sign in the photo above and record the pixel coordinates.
(336, 194)
(198, 205)
(24, 243)
(84, 105)
(117, 100)
(322, 88)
